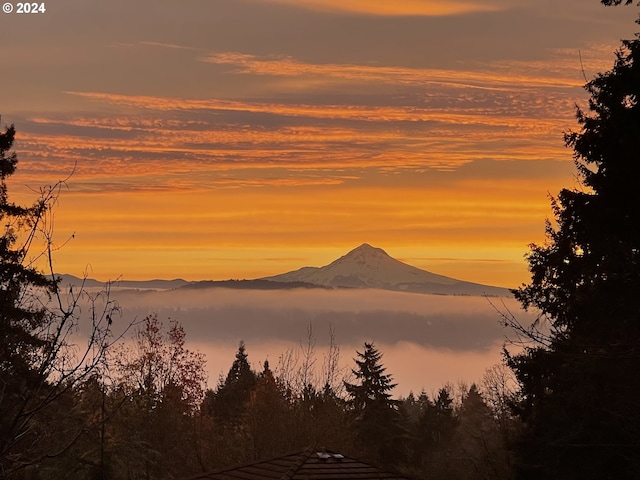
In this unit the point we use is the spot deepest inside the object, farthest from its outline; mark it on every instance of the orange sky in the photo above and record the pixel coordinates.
(243, 138)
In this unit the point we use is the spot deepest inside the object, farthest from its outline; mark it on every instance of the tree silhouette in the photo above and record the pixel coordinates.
(39, 365)
(616, 2)
(579, 395)
(232, 396)
(376, 417)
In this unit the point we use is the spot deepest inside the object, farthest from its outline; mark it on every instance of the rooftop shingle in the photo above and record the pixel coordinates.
(312, 464)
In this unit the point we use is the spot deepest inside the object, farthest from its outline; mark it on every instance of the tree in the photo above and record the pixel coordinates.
(39, 364)
(579, 399)
(270, 417)
(431, 451)
(375, 413)
(616, 2)
(159, 365)
(163, 385)
(480, 450)
(232, 396)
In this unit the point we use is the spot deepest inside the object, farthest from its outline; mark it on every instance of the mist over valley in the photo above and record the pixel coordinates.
(427, 339)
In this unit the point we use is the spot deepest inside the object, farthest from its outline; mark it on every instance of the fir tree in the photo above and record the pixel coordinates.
(578, 383)
(233, 395)
(375, 413)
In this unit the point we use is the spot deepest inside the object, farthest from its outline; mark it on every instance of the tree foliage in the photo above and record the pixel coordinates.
(39, 363)
(609, 3)
(159, 365)
(578, 399)
(233, 394)
(155, 395)
(375, 413)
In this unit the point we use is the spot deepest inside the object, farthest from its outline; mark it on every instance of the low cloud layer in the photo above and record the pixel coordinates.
(461, 324)
(426, 340)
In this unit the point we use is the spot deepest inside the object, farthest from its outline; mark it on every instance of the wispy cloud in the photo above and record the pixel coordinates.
(510, 79)
(171, 46)
(431, 8)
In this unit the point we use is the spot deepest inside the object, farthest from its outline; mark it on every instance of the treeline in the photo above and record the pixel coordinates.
(146, 414)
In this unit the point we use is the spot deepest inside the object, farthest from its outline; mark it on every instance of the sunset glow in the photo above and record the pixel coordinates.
(395, 8)
(260, 136)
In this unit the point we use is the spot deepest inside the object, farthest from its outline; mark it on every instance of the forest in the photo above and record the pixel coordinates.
(145, 412)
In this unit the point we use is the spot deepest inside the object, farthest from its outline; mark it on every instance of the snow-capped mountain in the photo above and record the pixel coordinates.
(371, 267)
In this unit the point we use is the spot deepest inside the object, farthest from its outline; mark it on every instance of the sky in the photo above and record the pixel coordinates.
(244, 138)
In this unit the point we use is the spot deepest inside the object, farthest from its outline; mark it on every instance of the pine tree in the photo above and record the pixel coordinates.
(579, 385)
(233, 395)
(26, 353)
(375, 413)
(271, 422)
(20, 319)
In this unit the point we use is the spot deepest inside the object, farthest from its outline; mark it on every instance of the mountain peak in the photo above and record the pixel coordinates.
(366, 249)
(371, 267)
(365, 246)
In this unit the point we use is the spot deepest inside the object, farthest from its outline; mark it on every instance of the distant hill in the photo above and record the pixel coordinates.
(371, 267)
(258, 284)
(133, 284)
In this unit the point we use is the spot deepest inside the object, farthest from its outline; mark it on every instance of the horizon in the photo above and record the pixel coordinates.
(141, 280)
(258, 136)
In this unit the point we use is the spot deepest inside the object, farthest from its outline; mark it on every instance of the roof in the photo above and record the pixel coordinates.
(312, 464)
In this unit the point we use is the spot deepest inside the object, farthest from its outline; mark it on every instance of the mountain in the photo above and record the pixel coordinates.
(257, 284)
(124, 284)
(363, 267)
(371, 267)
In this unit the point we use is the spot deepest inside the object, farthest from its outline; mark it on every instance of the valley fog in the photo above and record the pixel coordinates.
(427, 340)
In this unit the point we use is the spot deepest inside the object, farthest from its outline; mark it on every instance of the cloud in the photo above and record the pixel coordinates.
(170, 46)
(509, 79)
(427, 340)
(222, 315)
(353, 116)
(291, 143)
(429, 8)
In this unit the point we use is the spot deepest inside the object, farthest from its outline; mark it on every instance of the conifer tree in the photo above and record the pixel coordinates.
(270, 417)
(233, 394)
(579, 386)
(375, 413)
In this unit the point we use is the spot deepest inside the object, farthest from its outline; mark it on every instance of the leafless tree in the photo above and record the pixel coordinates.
(43, 357)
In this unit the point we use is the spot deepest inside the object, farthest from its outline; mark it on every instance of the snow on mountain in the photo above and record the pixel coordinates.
(371, 267)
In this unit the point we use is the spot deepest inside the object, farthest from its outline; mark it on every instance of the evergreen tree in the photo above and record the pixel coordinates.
(375, 413)
(443, 421)
(579, 386)
(21, 346)
(270, 418)
(435, 429)
(233, 395)
(412, 411)
(480, 450)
